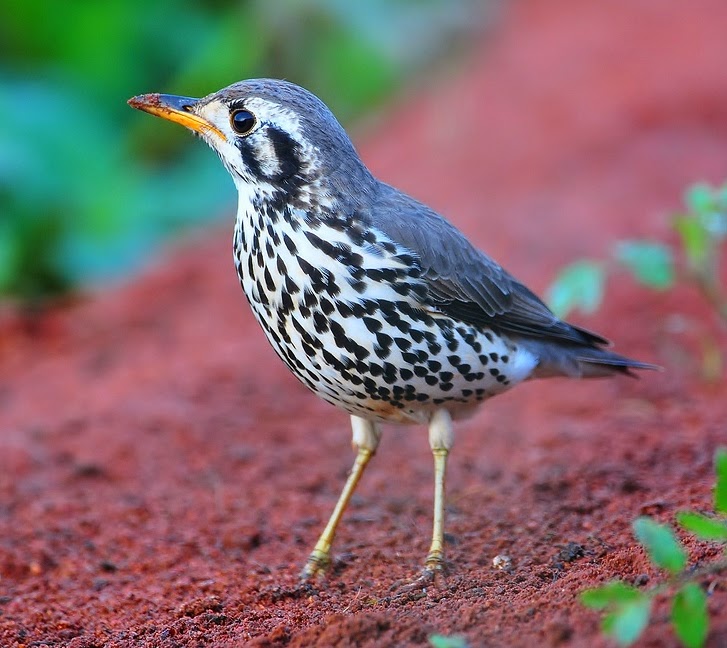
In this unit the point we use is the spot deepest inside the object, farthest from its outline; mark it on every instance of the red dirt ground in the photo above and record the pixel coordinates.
(163, 477)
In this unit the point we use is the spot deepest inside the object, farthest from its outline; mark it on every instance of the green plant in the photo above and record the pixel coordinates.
(628, 608)
(701, 230)
(447, 641)
(86, 185)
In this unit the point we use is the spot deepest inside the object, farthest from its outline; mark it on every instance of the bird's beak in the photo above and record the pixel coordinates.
(176, 109)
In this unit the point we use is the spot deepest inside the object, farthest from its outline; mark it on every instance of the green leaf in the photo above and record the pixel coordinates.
(689, 615)
(703, 527)
(715, 223)
(627, 622)
(443, 641)
(651, 263)
(720, 488)
(7, 257)
(699, 198)
(694, 238)
(579, 285)
(708, 207)
(611, 593)
(662, 545)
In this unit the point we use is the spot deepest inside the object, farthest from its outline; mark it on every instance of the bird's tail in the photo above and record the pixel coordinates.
(582, 361)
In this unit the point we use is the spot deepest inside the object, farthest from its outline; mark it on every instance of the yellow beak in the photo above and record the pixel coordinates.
(176, 109)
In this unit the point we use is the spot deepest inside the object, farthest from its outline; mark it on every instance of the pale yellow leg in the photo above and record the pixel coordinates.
(435, 557)
(441, 438)
(366, 437)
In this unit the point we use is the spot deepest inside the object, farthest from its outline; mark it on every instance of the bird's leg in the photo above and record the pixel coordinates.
(366, 436)
(441, 438)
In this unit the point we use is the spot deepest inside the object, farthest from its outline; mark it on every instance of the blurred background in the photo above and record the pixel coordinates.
(89, 189)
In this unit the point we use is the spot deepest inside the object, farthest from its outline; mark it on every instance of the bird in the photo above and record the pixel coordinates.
(373, 300)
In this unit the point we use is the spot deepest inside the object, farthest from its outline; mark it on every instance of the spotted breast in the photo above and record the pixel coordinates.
(344, 307)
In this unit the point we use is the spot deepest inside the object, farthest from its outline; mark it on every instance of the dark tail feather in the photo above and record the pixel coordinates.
(614, 363)
(579, 361)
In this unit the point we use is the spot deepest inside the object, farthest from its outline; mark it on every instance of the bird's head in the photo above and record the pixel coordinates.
(272, 136)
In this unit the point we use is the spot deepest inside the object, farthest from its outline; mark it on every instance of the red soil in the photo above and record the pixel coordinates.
(163, 477)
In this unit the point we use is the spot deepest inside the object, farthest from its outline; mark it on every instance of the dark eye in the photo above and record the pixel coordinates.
(243, 121)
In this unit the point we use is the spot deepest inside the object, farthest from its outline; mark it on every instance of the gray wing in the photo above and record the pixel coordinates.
(463, 282)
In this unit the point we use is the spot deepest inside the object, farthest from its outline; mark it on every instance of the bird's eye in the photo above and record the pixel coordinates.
(243, 121)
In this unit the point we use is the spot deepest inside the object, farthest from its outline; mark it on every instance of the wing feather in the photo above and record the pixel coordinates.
(462, 281)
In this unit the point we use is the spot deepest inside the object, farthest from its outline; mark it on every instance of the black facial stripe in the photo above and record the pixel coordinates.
(247, 151)
(286, 150)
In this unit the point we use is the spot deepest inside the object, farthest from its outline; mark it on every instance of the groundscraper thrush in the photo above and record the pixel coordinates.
(374, 301)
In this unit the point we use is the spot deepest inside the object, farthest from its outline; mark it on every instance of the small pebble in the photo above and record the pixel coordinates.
(503, 562)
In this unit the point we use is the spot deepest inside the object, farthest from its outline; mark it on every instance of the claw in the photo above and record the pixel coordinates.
(429, 576)
(315, 566)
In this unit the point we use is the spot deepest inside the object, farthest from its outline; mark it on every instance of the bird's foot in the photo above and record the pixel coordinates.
(435, 560)
(433, 574)
(316, 565)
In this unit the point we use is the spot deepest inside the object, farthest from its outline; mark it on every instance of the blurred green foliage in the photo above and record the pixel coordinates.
(702, 232)
(88, 188)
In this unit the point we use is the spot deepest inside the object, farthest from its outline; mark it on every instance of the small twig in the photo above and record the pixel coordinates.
(709, 569)
(712, 292)
(688, 576)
